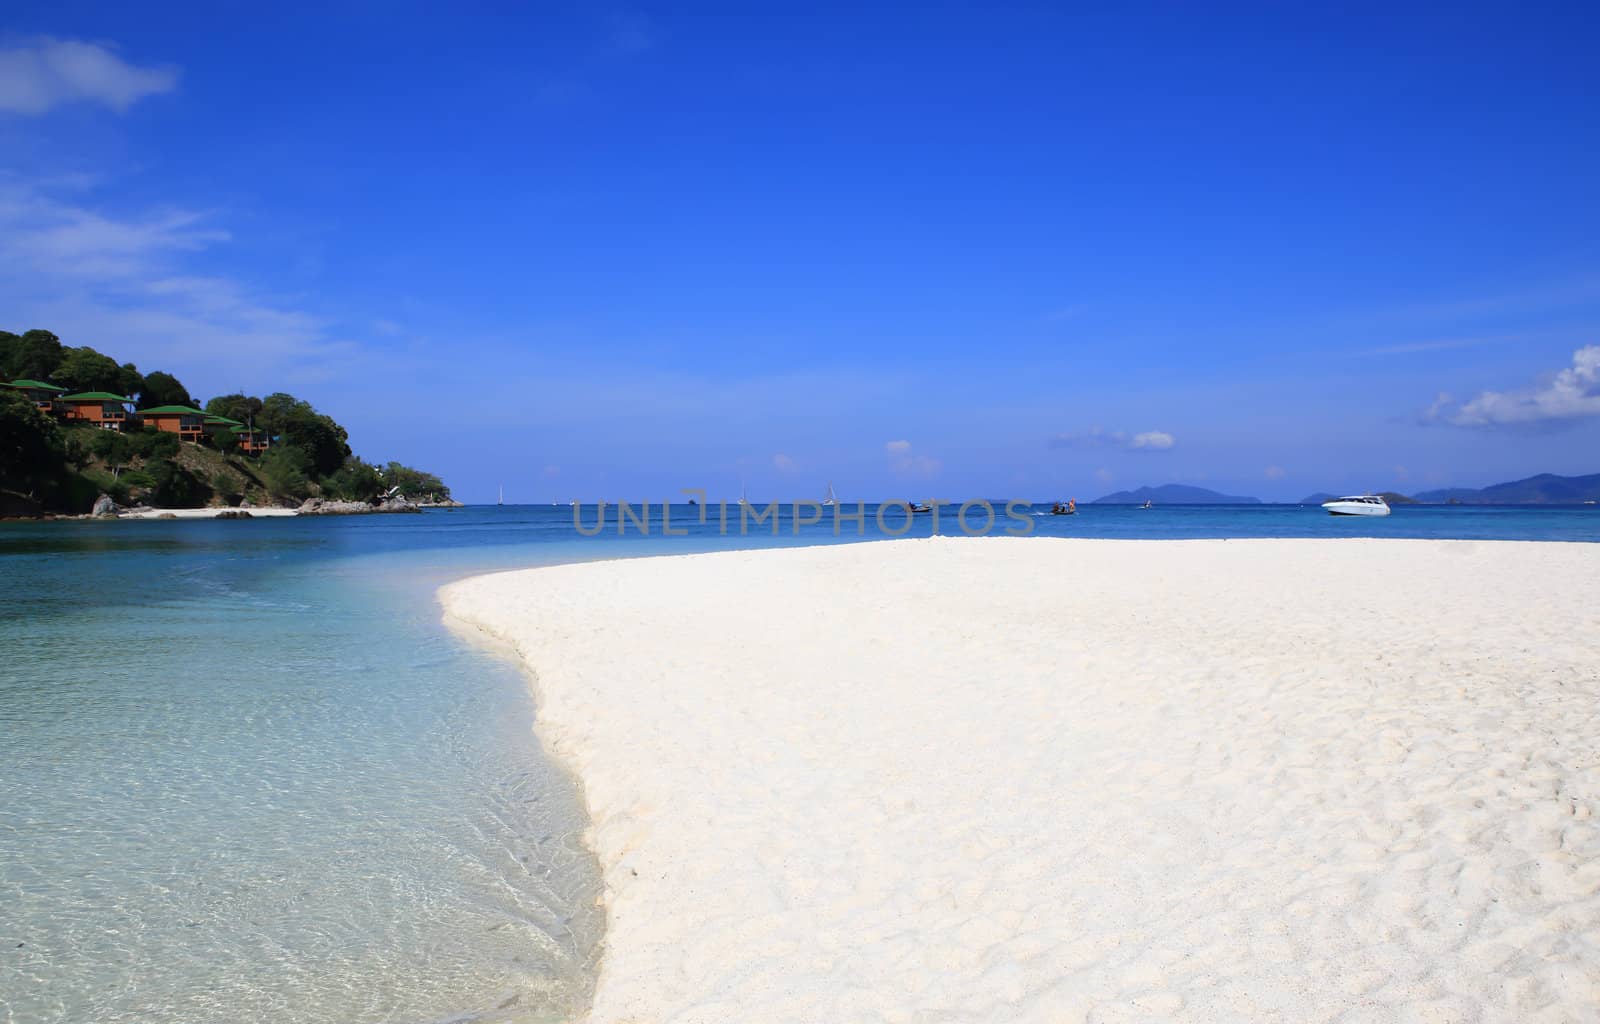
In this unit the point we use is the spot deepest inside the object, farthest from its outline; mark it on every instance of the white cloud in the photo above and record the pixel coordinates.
(1153, 440)
(908, 465)
(1570, 393)
(783, 463)
(47, 73)
(1274, 473)
(1104, 475)
(1096, 437)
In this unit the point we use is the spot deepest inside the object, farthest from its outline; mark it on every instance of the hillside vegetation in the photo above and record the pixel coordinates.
(47, 465)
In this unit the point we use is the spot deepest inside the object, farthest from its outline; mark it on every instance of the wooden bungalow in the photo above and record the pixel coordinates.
(187, 422)
(42, 394)
(251, 440)
(105, 410)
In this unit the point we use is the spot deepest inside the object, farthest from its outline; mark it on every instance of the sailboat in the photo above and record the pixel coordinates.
(742, 499)
(830, 500)
(502, 500)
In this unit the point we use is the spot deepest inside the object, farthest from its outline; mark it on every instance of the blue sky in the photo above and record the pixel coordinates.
(591, 251)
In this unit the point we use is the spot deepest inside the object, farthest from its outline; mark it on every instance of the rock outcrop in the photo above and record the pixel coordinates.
(329, 507)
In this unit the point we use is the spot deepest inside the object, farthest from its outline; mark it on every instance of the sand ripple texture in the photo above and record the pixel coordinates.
(1051, 780)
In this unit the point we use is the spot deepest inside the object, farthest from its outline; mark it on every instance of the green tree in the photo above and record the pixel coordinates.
(354, 481)
(227, 485)
(283, 473)
(176, 487)
(32, 450)
(113, 448)
(162, 388)
(414, 483)
(243, 408)
(225, 441)
(151, 443)
(33, 355)
(297, 425)
(84, 369)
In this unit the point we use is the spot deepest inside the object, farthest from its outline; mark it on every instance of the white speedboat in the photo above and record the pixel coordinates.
(1357, 505)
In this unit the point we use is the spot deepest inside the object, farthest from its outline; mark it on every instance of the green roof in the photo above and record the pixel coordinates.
(171, 410)
(242, 429)
(95, 396)
(37, 385)
(223, 419)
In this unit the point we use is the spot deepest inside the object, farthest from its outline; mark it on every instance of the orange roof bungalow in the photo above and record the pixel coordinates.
(42, 394)
(105, 410)
(188, 423)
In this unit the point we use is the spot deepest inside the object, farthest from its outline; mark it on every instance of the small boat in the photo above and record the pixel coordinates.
(1069, 509)
(917, 507)
(743, 501)
(830, 500)
(1148, 504)
(692, 502)
(1357, 505)
(502, 499)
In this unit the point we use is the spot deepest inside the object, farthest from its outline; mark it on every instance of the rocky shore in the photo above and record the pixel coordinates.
(327, 507)
(106, 508)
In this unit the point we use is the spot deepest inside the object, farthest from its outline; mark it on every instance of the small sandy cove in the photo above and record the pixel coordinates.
(1052, 780)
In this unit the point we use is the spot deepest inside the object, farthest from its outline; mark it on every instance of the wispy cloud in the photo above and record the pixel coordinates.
(68, 239)
(120, 281)
(784, 464)
(910, 465)
(1582, 290)
(1568, 394)
(1439, 345)
(41, 75)
(1096, 437)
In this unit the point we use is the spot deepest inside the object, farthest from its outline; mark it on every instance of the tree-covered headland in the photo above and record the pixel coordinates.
(48, 464)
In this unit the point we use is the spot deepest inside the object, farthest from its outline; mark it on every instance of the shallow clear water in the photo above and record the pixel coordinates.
(248, 775)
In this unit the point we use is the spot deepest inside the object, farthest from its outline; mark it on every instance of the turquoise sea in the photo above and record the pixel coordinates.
(247, 774)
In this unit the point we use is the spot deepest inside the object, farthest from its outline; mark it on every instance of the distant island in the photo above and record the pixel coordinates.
(1544, 489)
(1392, 497)
(1174, 494)
(80, 432)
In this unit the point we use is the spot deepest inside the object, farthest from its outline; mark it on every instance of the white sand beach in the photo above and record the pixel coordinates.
(1030, 780)
(263, 512)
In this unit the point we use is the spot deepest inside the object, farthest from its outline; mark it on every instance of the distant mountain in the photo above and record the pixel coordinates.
(1544, 489)
(1174, 494)
(1392, 497)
